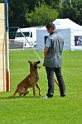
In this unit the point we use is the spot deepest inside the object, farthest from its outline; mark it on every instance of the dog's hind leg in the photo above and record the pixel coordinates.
(38, 89)
(20, 94)
(26, 92)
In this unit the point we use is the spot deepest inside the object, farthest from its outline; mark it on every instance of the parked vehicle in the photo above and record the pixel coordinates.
(26, 35)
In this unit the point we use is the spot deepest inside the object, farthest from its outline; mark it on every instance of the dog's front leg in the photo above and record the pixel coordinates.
(14, 93)
(38, 89)
(34, 93)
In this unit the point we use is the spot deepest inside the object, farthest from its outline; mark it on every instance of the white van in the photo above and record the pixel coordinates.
(26, 33)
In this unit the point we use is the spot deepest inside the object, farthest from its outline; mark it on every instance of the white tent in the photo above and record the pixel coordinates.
(70, 31)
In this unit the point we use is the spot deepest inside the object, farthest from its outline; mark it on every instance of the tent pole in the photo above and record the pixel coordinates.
(7, 49)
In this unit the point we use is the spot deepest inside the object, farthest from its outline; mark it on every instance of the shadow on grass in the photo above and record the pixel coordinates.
(20, 97)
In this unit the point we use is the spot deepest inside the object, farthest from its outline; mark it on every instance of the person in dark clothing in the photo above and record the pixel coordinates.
(53, 60)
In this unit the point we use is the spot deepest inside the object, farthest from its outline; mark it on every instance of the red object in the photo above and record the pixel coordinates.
(56, 82)
(7, 81)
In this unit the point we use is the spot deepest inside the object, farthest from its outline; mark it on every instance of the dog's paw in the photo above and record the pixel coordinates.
(40, 94)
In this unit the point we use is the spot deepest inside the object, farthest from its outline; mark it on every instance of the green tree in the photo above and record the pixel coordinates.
(72, 11)
(32, 3)
(17, 13)
(19, 10)
(54, 3)
(1, 1)
(41, 15)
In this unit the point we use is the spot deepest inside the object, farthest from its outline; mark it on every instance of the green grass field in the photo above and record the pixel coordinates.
(56, 110)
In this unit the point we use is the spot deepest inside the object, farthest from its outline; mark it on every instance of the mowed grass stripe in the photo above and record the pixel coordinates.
(30, 110)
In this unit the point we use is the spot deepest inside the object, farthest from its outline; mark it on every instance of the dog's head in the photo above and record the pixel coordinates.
(34, 64)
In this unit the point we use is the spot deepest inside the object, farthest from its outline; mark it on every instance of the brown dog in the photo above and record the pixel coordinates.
(30, 81)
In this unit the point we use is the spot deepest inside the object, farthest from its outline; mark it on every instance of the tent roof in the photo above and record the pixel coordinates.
(66, 23)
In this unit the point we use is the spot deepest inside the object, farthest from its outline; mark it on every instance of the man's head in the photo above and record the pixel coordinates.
(50, 27)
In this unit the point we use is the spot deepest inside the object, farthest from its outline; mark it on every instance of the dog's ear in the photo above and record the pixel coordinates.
(37, 62)
(29, 62)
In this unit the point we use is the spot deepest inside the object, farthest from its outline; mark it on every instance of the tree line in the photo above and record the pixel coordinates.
(25, 13)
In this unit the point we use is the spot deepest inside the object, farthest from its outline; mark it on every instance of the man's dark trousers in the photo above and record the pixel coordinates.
(50, 77)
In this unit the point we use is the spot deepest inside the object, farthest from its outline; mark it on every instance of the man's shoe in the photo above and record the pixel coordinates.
(63, 95)
(45, 97)
(48, 96)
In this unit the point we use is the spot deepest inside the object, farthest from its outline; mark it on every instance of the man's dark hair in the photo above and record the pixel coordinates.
(50, 25)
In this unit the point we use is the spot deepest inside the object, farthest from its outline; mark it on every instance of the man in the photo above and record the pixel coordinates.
(53, 60)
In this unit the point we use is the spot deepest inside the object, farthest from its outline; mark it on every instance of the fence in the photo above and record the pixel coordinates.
(18, 45)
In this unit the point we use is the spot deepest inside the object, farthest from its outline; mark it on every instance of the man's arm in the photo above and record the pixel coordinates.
(47, 45)
(45, 50)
